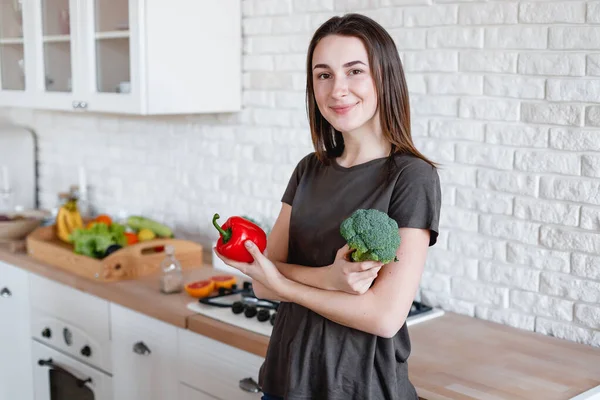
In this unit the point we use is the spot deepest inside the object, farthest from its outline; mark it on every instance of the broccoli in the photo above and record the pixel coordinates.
(372, 235)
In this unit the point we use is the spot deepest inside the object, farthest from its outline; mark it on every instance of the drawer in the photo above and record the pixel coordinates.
(215, 368)
(12, 279)
(82, 310)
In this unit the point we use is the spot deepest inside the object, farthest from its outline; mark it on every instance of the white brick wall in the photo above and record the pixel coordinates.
(505, 94)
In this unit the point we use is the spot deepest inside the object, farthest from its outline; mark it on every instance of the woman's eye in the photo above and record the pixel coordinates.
(355, 72)
(323, 76)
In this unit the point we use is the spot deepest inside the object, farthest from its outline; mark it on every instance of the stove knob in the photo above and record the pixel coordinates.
(47, 333)
(86, 351)
(250, 311)
(237, 307)
(263, 315)
(273, 318)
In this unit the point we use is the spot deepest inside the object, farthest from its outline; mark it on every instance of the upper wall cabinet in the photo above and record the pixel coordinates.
(121, 56)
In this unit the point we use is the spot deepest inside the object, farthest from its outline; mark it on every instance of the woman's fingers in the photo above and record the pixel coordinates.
(367, 265)
(360, 279)
(369, 274)
(254, 251)
(235, 264)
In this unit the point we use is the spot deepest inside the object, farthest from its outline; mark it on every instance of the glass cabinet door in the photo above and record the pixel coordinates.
(57, 45)
(12, 51)
(112, 46)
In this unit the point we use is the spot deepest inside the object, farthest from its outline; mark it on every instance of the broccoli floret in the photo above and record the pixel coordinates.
(372, 235)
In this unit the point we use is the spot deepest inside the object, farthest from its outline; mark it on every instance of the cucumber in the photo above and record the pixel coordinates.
(137, 223)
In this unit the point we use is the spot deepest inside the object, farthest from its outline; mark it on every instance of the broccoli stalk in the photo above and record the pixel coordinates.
(371, 235)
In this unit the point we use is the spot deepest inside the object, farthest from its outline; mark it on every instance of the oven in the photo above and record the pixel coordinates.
(58, 376)
(71, 347)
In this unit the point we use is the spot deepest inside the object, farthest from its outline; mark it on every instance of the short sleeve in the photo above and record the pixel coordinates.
(416, 199)
(290, 191)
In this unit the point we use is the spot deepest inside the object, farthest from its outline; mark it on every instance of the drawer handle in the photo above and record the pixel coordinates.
(249, 385)
(5, 292)
(141, 348)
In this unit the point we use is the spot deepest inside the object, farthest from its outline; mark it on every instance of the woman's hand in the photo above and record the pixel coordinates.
(352, 277)
(261, 269)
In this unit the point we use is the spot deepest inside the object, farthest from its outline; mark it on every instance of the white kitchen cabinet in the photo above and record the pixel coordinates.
(214, 368)
(189, 393)
(145, 356)
(122, 56)
(16, 372)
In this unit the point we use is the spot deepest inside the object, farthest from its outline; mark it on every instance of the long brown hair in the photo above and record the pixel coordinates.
(390, 84)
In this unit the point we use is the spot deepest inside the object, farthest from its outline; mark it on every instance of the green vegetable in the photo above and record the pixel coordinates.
(372, 235)
(139, 223)
(94, 241)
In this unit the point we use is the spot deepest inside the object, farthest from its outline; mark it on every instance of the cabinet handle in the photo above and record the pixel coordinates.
(141, 348)
(249, 385)
(5, 292)
(76, 104)
(83, 104)
(52, 365)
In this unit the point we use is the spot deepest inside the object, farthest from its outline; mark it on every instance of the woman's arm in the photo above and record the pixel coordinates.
(383, 309)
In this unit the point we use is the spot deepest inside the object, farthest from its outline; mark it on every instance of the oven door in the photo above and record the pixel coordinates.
(60, 377)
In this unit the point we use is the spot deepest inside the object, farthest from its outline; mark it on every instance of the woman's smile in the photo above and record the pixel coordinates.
(343, 109)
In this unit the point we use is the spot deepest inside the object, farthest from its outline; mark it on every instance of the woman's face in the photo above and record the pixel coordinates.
(343, 85)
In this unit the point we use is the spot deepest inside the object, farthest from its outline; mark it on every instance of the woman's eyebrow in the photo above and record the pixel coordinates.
(348, 64)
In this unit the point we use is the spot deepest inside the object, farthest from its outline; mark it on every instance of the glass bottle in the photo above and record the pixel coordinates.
(171, 280)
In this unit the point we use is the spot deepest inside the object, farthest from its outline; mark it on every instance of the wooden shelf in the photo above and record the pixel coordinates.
(112, 35)
(11, 41)
(57, 38)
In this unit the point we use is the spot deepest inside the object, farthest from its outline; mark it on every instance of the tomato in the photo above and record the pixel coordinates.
(104, 218)
(131, 238)
(200, 288)
(223, 281)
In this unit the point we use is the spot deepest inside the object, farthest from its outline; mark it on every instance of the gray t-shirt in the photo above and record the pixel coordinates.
(309, 356)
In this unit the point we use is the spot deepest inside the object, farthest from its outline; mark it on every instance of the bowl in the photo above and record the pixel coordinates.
(18, 229)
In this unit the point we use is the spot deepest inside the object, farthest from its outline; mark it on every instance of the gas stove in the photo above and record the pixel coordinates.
(240, 307)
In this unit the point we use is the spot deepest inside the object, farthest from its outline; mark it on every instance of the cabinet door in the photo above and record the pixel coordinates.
(216, 368)
(15, 53)
(111, 55)
(55, 33)
(144, 356)
(16, 371)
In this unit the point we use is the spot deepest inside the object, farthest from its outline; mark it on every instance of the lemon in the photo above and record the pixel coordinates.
(146, 234)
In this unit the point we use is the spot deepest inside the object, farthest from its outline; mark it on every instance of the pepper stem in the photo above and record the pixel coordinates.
(225, 234)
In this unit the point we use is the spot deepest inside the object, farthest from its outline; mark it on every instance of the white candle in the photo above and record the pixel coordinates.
(5, 179)
(82, 182)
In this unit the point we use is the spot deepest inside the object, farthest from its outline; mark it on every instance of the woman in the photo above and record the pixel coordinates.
(339, 332)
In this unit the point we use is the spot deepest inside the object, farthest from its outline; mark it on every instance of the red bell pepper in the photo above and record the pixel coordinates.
(234, 233)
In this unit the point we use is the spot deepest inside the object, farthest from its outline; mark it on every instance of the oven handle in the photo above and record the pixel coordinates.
(49, 363)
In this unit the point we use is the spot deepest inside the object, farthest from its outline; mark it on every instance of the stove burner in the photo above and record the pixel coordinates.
(244, 301)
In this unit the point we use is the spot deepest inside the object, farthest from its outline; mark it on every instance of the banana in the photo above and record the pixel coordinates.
(62, 231)
(77, 220)
(67, 220)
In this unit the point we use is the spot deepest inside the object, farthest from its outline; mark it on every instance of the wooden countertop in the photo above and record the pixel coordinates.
(458, 357)
(453, 357)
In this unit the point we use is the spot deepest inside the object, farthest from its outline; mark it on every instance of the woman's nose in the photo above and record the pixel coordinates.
(340, 87)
